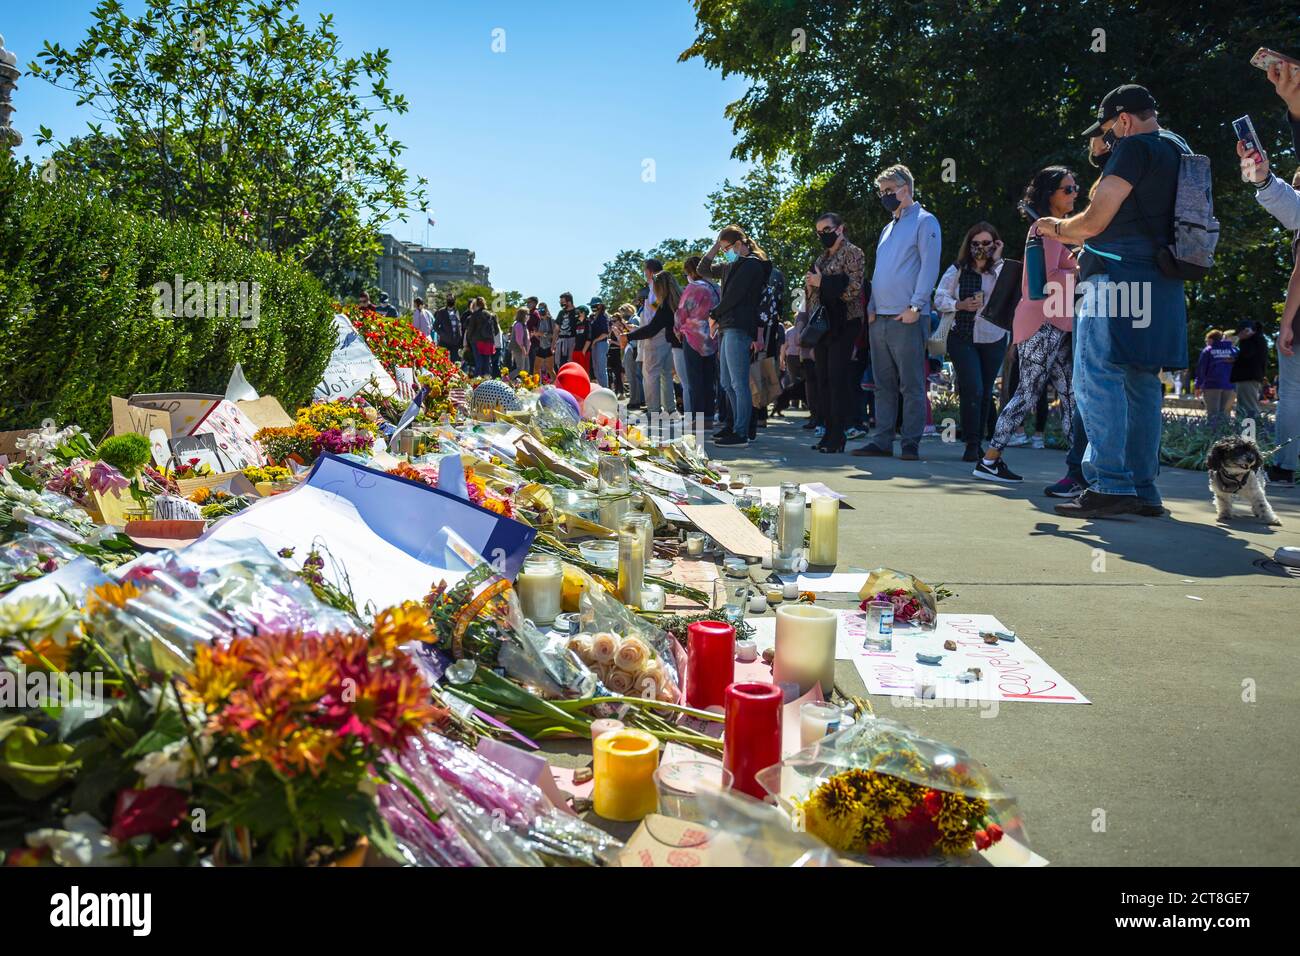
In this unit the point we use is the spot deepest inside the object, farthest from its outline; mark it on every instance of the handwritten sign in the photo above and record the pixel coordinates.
(185, 408)
(352, 365)
(731, 529)
(128, 418)
(234, 434)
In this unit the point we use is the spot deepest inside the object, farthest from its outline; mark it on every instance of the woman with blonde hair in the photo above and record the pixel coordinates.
(658, 339)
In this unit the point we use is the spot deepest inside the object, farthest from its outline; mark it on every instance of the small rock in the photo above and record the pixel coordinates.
(949, 645)
(974, 672)
(769, 655)
(582, 775)
(989, 638)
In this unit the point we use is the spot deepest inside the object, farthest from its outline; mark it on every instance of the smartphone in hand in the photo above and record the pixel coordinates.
(1265, 58)
(1245, 131)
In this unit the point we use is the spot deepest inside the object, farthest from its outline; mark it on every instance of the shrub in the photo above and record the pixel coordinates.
(76, 309)
(127, 453)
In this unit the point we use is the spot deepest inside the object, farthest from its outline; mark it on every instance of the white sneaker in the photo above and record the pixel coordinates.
(853, 434)
(1037, 441)
(1018, 440)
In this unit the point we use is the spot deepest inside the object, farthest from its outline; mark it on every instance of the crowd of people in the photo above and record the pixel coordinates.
(721, 345)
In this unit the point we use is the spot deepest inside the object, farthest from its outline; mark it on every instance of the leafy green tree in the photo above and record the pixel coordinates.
(238, 116)
(754, 204)
(976, 96)
(622, 278)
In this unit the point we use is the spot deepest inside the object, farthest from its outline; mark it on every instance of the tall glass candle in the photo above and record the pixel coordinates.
(615, 490)
(816, 720)
(710, 663)
(540, 585)
(789, 526)
(624, 774)
(631, 562)
(805, 647)
(751, 739)
(824, 543)
(647, 526)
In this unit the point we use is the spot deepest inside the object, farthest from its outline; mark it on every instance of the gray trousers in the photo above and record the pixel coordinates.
(1248, 399)
(898, 367)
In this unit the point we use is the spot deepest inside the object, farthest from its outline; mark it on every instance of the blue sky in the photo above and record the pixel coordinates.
(534, 155)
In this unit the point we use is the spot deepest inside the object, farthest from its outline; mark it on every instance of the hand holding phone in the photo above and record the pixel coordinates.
(1254, 164)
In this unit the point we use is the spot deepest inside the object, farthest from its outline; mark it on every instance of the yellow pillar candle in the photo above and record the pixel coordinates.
(624, 768)
(824, 543)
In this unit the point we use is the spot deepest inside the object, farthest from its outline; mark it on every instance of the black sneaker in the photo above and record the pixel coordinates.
(998, 471)
(1281, 477)
(871, 451)
(810, 424)
(1148, 510)
(910, 453)
(1067, 487)
(753, 431)
(732, 441)
(724, 433)
(973, 453)
(1093, 504)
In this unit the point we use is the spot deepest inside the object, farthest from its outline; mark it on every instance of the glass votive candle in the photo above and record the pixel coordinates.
(624, 766)
(685, 789)
(540, 585)
(790, 590)
(742, 479)
(757, 603)
(653, 598)
(816, 720)
(880, 626)
(695, 544)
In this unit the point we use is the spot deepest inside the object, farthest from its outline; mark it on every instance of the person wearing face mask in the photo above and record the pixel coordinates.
(735, 320)
(1041, 334)
(905, 273)
(975, 345)
(835, 284)
(1131, 318)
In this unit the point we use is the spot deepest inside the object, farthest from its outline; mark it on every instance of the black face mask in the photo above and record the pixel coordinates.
(890, 202)
(828, 239)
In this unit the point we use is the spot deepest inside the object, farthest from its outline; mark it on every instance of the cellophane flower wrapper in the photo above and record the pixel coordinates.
(746, 832)
(26, 554)
(528, 655)
(245, 581)
(888, 747)
(601, 611)
(887, 579)
(166, 618)
(489, 816)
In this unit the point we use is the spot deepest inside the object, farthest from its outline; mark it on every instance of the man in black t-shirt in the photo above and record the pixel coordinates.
(1131, 319)
(564, 336)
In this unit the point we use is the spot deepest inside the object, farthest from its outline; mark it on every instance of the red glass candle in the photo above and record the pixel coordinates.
(751, 740)
(710, 663)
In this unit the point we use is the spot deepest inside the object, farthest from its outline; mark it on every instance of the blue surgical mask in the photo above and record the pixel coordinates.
(730, 255)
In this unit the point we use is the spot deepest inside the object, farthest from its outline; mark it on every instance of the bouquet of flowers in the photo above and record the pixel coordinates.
(914, 601)
(340, 427)
(878, 788)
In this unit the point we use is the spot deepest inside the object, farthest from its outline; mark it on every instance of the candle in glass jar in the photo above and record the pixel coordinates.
(805, 647)
(790, 590)
(751, 740)
(789, 526)
(816, 720)
(631, 562)
(652, 598)
(624, 768)
(695, 544)
(823, 548)
(757, 603)
(710, 663)
(647, 526)
(540, 586)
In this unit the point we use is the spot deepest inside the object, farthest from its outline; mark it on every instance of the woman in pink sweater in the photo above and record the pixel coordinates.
(1040, 329)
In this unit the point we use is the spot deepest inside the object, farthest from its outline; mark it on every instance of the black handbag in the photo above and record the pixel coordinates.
(1001, 306)
(818, 325)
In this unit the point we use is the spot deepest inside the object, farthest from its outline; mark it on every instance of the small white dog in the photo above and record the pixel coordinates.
(1234, 466)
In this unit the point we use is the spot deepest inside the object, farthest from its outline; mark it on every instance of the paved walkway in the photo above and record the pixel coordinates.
(1168, 765)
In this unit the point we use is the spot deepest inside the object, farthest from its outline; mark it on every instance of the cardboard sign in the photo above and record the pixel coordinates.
(352, 365)
(185, 408)
(731, 529)
(138, 419)
(9, 443)
(266, 412)
(234, 435)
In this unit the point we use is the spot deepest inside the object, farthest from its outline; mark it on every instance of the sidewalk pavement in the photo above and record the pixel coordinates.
(1187, 754)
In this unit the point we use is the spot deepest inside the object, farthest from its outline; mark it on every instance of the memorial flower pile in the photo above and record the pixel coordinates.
(340, 426)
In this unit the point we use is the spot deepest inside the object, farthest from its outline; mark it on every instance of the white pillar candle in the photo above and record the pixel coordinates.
(695, 544)
(540, 585)
(805, 647)
(757, 603)
(823, 548)
(652, 598)
(816, 720)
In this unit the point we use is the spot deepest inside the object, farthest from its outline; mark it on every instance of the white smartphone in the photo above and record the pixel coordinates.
(1264, 58)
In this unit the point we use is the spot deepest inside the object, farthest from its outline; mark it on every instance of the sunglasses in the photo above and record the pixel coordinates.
(1069, 190)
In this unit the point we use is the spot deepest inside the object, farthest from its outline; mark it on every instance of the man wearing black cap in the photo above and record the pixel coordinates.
(1131, 320)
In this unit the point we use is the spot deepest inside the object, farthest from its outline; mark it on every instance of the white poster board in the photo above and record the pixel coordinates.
(352, 365)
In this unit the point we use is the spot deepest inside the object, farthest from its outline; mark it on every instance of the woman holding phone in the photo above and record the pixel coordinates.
(975, 345)
(1041, 333)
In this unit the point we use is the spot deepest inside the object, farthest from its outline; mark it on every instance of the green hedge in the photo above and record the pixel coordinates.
(77, 309)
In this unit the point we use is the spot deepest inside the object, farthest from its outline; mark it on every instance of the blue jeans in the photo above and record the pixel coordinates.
(1288, 409)
(702, 374)
(1120, 405)
(482, 363)
(734, 356)
(600, 362)
(976, 365)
